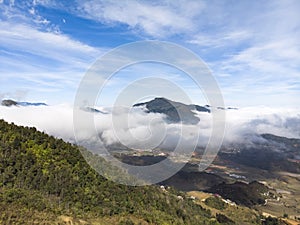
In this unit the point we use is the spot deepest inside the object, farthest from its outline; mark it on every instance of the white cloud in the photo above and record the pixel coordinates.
(265, 69)
(259, 120)
(155, 19)
(145, 130)
(31, 43)
(220, 40)
(59, 47)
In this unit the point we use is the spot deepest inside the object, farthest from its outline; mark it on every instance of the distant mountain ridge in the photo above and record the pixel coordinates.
(293, 144)
(275, 153)
(176, 112)
(9, 102)
(92, 110)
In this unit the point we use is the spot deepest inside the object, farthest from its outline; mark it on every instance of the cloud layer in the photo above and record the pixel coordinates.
(147, 130)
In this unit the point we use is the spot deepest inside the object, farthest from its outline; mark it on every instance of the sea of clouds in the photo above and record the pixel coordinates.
(140, 130)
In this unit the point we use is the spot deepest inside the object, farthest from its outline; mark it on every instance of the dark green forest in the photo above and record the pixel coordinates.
(43, 177)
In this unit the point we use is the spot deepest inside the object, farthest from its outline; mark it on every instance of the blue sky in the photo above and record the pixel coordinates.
(252, 47)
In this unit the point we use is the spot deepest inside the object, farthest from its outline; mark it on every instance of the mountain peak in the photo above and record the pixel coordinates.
(10, 102)
(175, 111)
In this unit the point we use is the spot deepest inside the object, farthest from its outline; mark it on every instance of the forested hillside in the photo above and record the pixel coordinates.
(43, 178)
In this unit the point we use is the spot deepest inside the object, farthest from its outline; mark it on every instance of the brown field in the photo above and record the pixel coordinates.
(199, 195)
